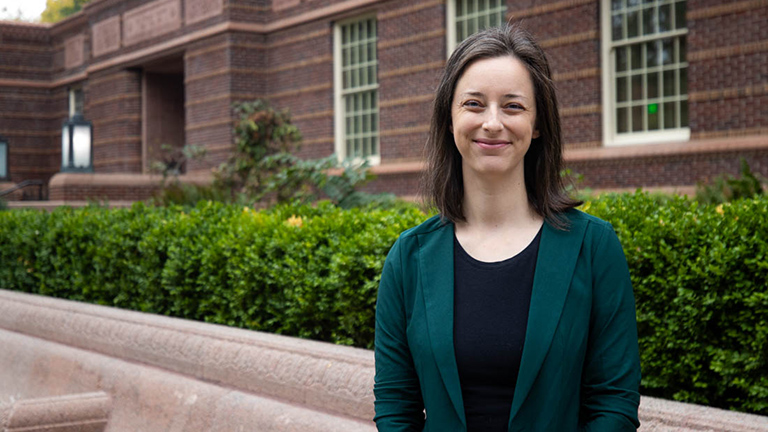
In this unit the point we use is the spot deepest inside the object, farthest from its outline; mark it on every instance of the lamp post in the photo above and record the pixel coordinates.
(77, 145)
(3, 158)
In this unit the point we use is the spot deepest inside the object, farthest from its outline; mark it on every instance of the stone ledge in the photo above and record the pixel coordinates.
(319, 375)
(167, 374)
(86, 412)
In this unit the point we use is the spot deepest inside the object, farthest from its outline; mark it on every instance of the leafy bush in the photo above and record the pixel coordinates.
(299, 270)
(728, 188)
(700, 274)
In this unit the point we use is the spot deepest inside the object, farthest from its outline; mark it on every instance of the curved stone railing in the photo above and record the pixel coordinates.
(168, 374)
(86, 412)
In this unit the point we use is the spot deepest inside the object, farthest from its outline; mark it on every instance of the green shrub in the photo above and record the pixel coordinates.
(728, 188)
(700, 274)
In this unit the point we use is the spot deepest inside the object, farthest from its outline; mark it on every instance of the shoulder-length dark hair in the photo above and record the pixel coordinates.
(442, 182)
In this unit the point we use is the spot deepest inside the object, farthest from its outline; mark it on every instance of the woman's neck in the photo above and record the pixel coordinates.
(497, 203)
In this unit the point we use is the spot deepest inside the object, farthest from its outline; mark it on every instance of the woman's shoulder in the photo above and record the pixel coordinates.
(431, 225)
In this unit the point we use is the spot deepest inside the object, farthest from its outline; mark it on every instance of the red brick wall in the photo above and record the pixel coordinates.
(113, 104)
(28, 119)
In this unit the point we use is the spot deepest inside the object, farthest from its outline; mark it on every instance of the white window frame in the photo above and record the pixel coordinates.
(450, 24)
(71, 100)
(610, 136)
(339, 93)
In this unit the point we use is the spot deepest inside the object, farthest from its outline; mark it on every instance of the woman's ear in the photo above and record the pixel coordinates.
(535, 134)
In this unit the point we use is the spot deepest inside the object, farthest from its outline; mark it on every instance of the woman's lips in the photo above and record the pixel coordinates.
(491, 144)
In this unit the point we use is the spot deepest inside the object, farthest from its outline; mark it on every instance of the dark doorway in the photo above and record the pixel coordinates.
(163, 112)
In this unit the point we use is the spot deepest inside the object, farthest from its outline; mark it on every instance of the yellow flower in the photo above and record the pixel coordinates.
(294, 221)
(719, 209)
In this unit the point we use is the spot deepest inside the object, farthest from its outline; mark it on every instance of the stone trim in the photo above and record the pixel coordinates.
(117, 160)
(125, 139)
(26, 133)
(412, 69)
(206, 50)
(192, 78)
(405, 131)
(729, 93)
(209, 124)
(325, 140)
(410, 39)
(208, 100)
(408, 9)
(301, 38)
(716, 11)
(302, 63)
(303, 90)
(728, 51)
(122, 97)
(696, 146)
(576, 75)
(116, 119)
(570, 39)
(581, 110)
(387, 103)
(314, 115)
(731, 133)
(85, 412)
(547, 8)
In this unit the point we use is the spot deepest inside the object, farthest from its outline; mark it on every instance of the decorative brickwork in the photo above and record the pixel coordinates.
(239, 50)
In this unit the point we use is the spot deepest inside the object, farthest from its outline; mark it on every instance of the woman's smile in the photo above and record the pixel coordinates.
(493, 117)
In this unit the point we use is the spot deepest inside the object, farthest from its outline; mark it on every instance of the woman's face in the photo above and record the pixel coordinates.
(493, 117)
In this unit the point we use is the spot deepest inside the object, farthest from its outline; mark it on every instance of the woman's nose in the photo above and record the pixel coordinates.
(492, 121)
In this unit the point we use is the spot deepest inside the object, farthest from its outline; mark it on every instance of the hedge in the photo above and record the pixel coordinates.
(700, 274)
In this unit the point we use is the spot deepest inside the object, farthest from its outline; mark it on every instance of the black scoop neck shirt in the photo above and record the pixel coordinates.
(491, 302)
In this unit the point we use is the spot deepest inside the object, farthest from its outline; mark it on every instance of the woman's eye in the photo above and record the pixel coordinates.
(472, 104)
(514, 106)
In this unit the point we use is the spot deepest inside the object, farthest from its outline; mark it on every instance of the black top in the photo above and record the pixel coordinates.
(491, 302)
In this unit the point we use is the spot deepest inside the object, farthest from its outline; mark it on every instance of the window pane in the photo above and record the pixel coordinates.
(622, 125)
(617, 4)
(637, 118)
(649, 20)
(621, 89)
(653, 116)
(637, 55)
(631, 3)
(683, 50)
(3, 160)
(667, 51)
(665, 18)
(653, 85)
(637, 87)
(684, 81)
(651, 54)
(684, 113)
(669, 115)
(616, 25)
(633, 24)
(621, 59)
(669, 83)
(680, 15)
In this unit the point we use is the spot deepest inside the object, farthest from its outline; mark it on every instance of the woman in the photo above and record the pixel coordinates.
(510, 311)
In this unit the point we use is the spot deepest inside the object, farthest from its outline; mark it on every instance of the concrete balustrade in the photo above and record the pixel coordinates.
(166, 374)
(86, 412)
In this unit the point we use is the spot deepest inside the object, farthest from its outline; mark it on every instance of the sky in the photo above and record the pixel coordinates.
(30, 9)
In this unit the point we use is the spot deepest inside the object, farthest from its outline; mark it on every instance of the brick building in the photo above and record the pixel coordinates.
(653, 93)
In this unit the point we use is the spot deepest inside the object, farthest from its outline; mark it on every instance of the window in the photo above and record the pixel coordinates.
(645, 83)
(466, 17)
(76, 101)
(356, 89)
(3, 158)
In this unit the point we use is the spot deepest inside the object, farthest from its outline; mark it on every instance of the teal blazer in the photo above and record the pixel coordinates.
(580, 367)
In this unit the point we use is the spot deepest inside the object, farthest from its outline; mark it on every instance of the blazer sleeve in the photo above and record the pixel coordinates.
(398, 402)
(611, 375)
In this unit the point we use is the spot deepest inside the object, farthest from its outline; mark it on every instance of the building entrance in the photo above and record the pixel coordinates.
(163, 118)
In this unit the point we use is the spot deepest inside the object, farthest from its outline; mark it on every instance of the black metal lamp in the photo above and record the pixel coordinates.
(77, 145)
(3, 158)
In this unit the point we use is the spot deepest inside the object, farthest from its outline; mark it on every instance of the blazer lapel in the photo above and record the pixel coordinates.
(436, 268)
(558, 253)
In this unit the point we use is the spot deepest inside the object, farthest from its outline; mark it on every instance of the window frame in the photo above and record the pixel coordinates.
(338, 93)
(607, 57)
(72, 101)
(7, 167)
(450, 25)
